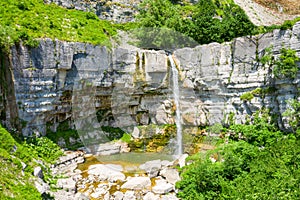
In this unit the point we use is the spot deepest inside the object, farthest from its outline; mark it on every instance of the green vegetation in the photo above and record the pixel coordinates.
(261, 92)
(30, 19)
(207, 21)
(113, 133)
(248, 96)
(259, 162)
(288, 24)
(285, 66)
(63, 132)
(126, 138)
(43, 148)
(16, 182)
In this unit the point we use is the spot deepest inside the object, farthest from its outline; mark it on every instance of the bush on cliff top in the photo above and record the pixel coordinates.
(207, 21)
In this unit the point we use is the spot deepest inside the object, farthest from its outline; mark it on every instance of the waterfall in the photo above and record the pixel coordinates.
(178, 150)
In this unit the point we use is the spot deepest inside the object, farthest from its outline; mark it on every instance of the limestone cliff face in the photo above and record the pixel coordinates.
(127, 86)
(221, 73)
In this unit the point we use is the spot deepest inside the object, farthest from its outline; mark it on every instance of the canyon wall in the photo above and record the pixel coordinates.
(92, 86)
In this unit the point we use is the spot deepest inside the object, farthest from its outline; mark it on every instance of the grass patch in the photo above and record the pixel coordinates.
(17, 182)
(27, 20)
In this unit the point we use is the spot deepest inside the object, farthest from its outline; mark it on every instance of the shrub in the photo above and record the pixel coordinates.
(126, 138)
(248, 96)
(44, 149)
(207, 21)
(16, 183)
(286, 65)
(262, 164)
(113, 133)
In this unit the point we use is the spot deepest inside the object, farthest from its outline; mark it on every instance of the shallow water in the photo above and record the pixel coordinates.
(129, 161)
(133, 158)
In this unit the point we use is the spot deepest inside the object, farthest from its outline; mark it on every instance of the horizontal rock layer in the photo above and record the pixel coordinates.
(93, 86)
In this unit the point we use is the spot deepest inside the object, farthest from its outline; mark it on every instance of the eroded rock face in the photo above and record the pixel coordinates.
(221, 73)
(127, 86)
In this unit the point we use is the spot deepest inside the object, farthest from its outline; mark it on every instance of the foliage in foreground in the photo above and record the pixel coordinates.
(259, 162)
(16, 182)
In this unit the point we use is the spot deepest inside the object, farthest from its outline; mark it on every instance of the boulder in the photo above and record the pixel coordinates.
(169, 197)
(118, 195)
(41, 186)
(110, 172)
(137, 183)
(67, 184)
(135, 133)
(181, 160)
(107, 149)
(166, 163)
(171, 175)
(162, 187)
(152, 167)
(96, 195)
(106, 196)
(38, 172)
(80, 196)
(79, 160)
(129, 195)
(100, 191)
(151, 196)
(61, 142)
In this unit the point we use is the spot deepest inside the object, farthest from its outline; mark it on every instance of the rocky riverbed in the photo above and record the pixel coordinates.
(82, 176)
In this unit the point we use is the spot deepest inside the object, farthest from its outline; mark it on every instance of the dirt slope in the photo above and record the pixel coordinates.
(275, 13)
(286, 6)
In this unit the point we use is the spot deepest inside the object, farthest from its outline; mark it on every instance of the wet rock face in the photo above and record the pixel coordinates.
(118, 11)
(126, 86)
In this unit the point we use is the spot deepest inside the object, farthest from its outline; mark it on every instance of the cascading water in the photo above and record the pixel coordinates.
(179, 149)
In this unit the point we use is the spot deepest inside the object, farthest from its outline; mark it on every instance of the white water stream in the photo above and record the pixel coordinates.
(176, 96)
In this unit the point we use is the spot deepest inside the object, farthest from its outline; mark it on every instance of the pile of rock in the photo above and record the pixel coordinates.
(66, 168)
(153, 180)
(108, 181)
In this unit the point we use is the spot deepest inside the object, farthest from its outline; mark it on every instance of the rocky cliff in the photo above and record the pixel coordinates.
(115, 10)
(126, 86)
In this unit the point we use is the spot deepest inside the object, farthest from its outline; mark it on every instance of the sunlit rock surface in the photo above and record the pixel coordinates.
(92, 86)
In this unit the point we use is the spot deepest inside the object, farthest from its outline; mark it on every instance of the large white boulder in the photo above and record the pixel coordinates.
(137, 183)
(110, 172)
